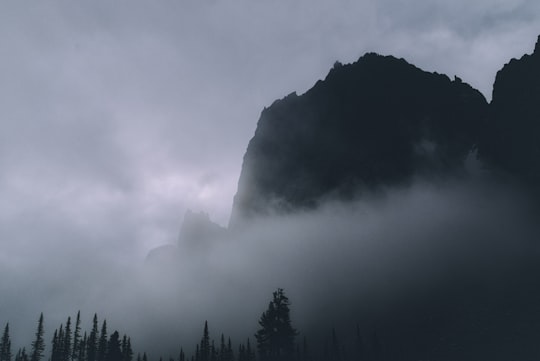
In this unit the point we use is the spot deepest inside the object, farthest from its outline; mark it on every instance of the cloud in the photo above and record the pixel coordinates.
(113, 116)
(385, 261)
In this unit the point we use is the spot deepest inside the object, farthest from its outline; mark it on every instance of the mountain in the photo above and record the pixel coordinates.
(377, 122)
(512, 139)
(380, 122)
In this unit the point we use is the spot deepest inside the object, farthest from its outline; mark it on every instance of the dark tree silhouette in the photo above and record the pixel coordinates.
(213, 352)
(102, 344)
(38, 345)
(250, 354)
(230, 353)
(66, 349)
(114, 350)
(127, 351)
(5, 345)
(76, 338)
(91, 344)
(21, 355)
(205, 344)
(275, 338)
(82, 348)
(55, 352)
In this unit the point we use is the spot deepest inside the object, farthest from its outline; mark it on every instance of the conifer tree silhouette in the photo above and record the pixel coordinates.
(102, 344)
(114, 351)
(76, 338)
(205, 344)
(5, 345)
(276, 337)
(38, 345)
(92, 342)
(66, 346)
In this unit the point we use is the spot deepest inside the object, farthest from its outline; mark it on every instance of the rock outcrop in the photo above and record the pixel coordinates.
(511, 142)
(377, 122)
(380, 122)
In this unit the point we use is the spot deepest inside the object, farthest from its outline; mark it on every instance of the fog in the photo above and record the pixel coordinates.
(117, 117)
(389, 260)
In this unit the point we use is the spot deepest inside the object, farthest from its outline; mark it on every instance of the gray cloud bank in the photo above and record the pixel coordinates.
(442, 260)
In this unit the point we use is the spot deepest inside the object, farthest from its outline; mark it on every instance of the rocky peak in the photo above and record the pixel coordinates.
(360, 128)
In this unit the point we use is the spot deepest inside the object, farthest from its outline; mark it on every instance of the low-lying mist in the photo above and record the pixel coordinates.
(435, 269)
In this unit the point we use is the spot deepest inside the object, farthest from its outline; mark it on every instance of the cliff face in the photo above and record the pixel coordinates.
(512, 140)
(376, 122)
(381, 121)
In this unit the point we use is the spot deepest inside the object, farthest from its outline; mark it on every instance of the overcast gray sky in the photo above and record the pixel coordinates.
(117, 116)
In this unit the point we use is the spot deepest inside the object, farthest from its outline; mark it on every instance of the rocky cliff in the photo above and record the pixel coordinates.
(511, 142)
(376, 122)
(382, 121)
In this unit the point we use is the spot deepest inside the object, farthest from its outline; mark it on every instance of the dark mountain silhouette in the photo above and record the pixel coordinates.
(377, 122)
(380, 122)
(512, 138)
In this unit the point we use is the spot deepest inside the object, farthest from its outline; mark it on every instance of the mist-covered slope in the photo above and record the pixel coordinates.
(376, 122)
(382, 122)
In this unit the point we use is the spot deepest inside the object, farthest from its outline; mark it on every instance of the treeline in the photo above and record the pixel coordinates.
(275, 340)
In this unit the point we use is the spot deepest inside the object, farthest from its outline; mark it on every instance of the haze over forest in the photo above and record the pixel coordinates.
(383, 198)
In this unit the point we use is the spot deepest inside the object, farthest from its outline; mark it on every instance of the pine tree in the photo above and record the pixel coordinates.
(102, 344)
(127, 352)
(82, 349)
(114, 351)
(230, 352)
(275, 338)
(5, 345)
(38, 345)
(222, 349)
(213, 352)
(21, 355)
(54, 352)
(66, 349)
(205, 344)
(91, 343)
(76, 339)
(123, 347)
(60, 343)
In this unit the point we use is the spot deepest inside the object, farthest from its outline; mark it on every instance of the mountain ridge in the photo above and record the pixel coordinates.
(374, 122)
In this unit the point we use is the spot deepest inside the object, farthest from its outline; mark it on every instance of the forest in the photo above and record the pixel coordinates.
(275, 340)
